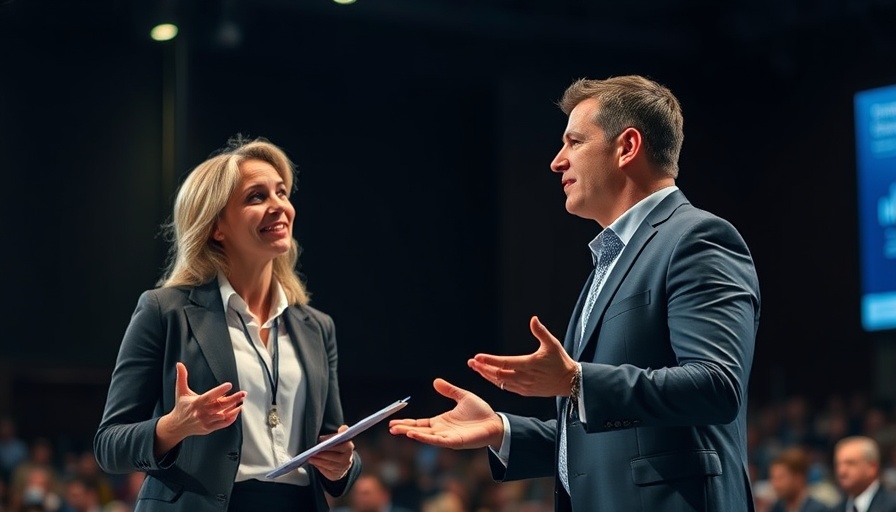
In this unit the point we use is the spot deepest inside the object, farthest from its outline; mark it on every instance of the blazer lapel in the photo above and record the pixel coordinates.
(208, 324)
(308, 341)
(571, 341)
(624, 264)
(573, 330)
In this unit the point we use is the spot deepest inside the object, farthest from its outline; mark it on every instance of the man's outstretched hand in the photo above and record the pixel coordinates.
(471, 424)
(548, 371)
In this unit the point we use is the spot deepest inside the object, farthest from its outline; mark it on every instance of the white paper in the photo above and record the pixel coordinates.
(351, 432)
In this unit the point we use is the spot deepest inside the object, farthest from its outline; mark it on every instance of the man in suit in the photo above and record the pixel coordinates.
(651, 379)
(857, 463)
(788, 475)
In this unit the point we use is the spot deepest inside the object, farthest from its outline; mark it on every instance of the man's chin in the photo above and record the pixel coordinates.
(577, 210)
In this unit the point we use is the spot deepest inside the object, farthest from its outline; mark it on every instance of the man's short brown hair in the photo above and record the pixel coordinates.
(795, 459)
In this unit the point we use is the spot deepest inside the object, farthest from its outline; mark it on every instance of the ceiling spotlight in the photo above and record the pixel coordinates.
(229, 34)
(163, 32)
(344, 2)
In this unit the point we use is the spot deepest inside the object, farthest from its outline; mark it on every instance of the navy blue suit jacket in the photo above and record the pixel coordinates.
(189, 325)
(666, 359)
(883, 501)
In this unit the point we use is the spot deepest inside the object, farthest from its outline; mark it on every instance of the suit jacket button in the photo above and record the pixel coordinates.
(233, 456)
(608, 424)
(617, 424)
(220, 497)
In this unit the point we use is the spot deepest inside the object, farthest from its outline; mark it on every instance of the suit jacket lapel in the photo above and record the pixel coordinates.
(626, 260)
(308, 341)
(208, 322)
(571, 341)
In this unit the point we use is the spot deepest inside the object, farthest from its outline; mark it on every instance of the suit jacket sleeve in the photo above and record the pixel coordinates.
(333, 416)
(125, 438)
(705, 284)
(532, 450)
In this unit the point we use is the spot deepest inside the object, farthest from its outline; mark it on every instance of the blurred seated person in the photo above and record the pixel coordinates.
(788, 475)
(39, 466)
(87, 468)
(370, 494)
(39, 492)
(857, 465)
(13, 450)
(81, 494)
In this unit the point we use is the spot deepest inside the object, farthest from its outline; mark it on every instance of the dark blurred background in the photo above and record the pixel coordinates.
(431, 224)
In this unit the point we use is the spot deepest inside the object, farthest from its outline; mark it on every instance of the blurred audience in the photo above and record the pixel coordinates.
(802, 455)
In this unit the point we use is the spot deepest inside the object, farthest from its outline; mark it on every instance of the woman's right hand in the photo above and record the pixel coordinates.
(196, 414)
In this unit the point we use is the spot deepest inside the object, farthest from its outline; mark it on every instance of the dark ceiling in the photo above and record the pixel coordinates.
(677, 29)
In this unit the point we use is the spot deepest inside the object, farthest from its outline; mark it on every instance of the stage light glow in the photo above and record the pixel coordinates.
(163, 32)
(344, 2)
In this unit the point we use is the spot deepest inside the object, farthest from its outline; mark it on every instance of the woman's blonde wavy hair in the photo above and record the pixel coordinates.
(195, 257)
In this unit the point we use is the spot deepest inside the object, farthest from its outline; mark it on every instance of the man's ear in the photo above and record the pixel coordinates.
(630, 144)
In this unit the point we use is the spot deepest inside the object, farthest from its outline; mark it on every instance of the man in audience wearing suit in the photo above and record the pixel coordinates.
(788, 475)
(857, 464)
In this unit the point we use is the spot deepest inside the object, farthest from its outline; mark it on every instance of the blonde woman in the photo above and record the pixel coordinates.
(225, 371)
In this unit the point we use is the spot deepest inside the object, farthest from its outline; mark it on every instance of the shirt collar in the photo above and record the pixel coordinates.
(233, 300)
(863, 500)
(627, 223)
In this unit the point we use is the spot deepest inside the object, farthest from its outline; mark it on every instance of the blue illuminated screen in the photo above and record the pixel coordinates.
(875, 118)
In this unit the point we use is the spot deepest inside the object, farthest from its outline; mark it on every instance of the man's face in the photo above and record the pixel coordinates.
(78, 497)
(854, 471)
(368, 495)
(588, 164)
(787, 484)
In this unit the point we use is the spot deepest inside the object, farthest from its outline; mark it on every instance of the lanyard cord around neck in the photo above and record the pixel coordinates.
(274, 378)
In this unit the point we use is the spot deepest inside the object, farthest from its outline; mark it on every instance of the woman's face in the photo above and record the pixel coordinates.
(256, 224)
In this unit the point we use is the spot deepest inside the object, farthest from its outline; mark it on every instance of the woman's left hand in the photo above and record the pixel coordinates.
(335, 461)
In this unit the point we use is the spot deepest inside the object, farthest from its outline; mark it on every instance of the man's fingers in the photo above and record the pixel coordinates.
(502, 362)
(409, 422)
(448, 390)
(431, 439)
(542, 333)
